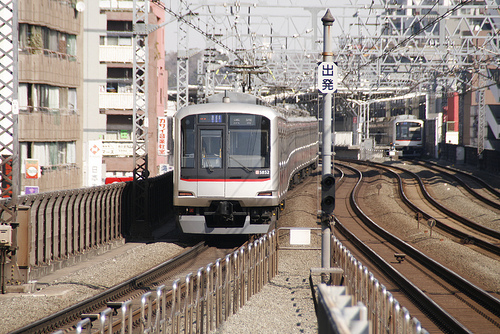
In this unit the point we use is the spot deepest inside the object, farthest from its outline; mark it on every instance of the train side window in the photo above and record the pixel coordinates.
(187, 142)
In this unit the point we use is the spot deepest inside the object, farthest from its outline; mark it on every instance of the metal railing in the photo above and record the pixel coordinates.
(337, 314)
(56, 229)
(384, 311)
(203, 301)
(57, 226)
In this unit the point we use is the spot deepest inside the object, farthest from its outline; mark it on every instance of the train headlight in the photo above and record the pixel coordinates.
(185, 193)
(265, 193)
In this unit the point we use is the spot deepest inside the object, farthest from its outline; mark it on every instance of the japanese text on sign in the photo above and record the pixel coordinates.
(162, 136)
(327, 77)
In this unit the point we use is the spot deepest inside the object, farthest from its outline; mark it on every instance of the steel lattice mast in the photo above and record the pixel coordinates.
(140, 110)
(9, 141)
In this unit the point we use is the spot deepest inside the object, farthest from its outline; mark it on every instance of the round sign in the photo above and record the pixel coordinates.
(431, 222)
(32, 171)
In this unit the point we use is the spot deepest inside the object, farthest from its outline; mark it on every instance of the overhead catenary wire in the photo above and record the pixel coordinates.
(403, 42)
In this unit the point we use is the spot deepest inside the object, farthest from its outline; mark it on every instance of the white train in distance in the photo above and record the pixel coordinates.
(234, 162)
(403, 133)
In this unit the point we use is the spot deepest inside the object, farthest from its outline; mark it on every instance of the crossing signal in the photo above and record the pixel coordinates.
(328, 193)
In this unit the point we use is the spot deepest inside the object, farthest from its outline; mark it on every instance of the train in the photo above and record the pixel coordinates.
(235, 159)
(403, 134)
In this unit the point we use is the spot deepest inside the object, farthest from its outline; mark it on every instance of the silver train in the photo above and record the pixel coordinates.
(404, 132)
(234, 162)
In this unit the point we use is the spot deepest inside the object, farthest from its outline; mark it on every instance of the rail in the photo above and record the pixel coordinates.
(203, 301)
(384, 311)
(477, 294)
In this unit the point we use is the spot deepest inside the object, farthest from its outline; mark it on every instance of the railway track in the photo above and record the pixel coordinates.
(129, 292)
(441, 299)
(471, 183)
(456, 226)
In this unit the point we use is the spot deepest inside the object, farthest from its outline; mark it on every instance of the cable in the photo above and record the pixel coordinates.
(389, 51)
(196, 28)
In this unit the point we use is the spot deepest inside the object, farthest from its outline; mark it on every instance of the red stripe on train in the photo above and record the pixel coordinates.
(225, 180)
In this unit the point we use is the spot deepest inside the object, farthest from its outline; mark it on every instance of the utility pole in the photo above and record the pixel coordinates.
(327, 80)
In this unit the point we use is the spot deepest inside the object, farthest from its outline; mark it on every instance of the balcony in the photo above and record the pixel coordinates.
(117, 4)
(48, 126)
(116, 54)
(120, 101)
(60, 15)
(49, 67)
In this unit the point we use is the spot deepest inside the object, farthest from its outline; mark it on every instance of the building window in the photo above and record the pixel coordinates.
(34, 38)
(49, 153)
(119, 80)
(115, 41)
(45, 98)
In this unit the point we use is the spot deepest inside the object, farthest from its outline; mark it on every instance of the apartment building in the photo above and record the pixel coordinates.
(108, 88)
(50, 94)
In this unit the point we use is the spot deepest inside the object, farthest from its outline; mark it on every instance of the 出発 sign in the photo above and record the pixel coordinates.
(327, 77)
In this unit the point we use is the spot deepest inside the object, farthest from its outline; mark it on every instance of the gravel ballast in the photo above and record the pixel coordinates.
(81, 281)
(284, 305)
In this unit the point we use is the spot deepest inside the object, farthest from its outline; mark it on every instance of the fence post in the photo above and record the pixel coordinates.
(188, 302)
(199, 301)
(146, 319)
(175, 301)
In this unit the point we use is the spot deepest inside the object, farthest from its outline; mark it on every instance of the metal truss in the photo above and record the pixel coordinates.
(256, 50)
(403, 48)
(9, 141)
(140, 110)
(183, 58)
(381, 47)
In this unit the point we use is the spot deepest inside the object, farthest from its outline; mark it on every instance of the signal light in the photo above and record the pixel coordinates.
(328, 193)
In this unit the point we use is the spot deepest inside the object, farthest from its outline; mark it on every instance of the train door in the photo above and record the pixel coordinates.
(211, 161)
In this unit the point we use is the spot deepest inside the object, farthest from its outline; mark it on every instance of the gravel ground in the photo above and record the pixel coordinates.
(285, 304)
(288, 297)
(458, 199)
(82, 281)
(483, 270)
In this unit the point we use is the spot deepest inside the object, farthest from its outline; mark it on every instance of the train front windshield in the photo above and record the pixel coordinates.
(408, 131)
(224, 146)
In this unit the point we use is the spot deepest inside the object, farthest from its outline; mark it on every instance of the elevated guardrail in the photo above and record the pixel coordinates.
(57, 229)
(385, 313)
